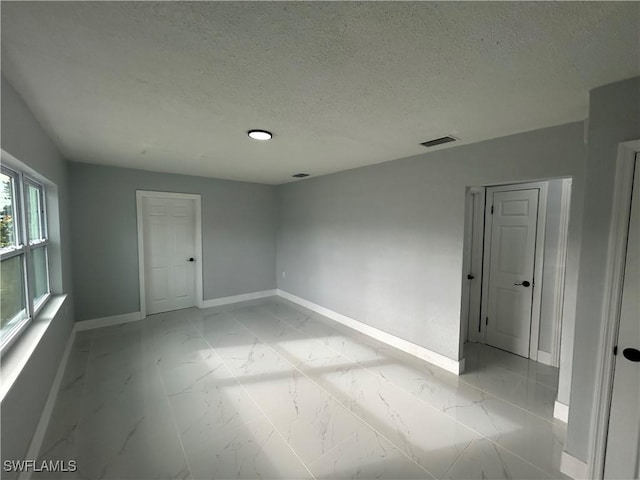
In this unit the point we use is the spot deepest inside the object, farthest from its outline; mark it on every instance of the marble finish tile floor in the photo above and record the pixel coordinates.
(269, 390)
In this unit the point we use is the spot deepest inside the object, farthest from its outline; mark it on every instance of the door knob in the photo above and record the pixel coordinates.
(191, 259)
(524, 284)
(470, 276)
(632, 354)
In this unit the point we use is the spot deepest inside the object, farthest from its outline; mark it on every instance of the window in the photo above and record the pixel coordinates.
(24, 272)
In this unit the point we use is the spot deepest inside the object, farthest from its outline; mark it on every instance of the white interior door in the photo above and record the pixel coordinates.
(511, 268)
(623, 439)
(169, 251)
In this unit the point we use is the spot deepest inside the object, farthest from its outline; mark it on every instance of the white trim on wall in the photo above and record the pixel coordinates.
(45, 417)
(561, 411)
(454, 366)
(573, 467)
(108, 321)
(561, 261)
(466, 268)
(214, 302)
(610, 315)
(544, 357)
(472, 263)
(197, 203)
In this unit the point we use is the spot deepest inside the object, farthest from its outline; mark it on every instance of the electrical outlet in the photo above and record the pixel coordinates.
(284, 274)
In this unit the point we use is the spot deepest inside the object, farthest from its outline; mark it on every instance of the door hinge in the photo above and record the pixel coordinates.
(615, 350)
(491, 209)
(486, 320)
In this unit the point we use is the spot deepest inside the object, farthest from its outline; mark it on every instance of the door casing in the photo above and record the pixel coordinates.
(622, 452)
(140, 194)
(612, 302)
(472, 265)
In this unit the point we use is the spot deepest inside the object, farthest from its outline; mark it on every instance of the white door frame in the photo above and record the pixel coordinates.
(561, 261)
(140, 194)
(538, 260)
(472, 263)
(610, 315)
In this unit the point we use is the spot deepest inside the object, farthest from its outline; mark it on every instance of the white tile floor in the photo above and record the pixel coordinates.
(269, 390)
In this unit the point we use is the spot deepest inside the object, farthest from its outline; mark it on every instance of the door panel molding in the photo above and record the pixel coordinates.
(538, 259)
(197, 203)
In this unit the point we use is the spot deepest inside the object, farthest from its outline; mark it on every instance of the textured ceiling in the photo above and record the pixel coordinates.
(175, 86)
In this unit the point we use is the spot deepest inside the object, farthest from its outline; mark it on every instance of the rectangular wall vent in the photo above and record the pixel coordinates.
(300, 175)
(438, 141)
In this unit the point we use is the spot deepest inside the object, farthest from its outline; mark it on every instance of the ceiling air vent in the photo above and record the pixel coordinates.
(300, 175)
(438, 141)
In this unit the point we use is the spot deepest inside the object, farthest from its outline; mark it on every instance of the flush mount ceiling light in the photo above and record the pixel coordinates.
(259, 134)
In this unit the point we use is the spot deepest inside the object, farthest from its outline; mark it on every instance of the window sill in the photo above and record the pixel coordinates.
(15, 359)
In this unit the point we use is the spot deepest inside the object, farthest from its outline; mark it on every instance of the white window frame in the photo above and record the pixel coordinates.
(24, 247)
(42, 242)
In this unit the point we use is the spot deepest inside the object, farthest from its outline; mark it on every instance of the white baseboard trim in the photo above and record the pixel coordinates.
(572, 467)
(135, 316)
(544, 357)
(215, 302)
(108, 321)
(453, 366)
(561, 411)
(45, 417)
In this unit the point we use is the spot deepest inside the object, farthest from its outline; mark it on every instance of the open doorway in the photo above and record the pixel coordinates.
(514, 267)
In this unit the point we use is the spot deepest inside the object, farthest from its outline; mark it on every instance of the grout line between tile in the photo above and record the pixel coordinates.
(460, 378)
(83, 394)
(254, 400)
(462, 454)
(420, 399)
(526, 377)
(173, 418)
(268, 344)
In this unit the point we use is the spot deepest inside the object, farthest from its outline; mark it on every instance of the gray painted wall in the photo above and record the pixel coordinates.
(24, 139)
(383, 244)
(614, 117)
(239, 222)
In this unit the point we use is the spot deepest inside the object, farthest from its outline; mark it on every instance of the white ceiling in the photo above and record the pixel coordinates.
(175, 86)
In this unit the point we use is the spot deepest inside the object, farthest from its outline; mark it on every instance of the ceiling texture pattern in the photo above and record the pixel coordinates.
(175, 86)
